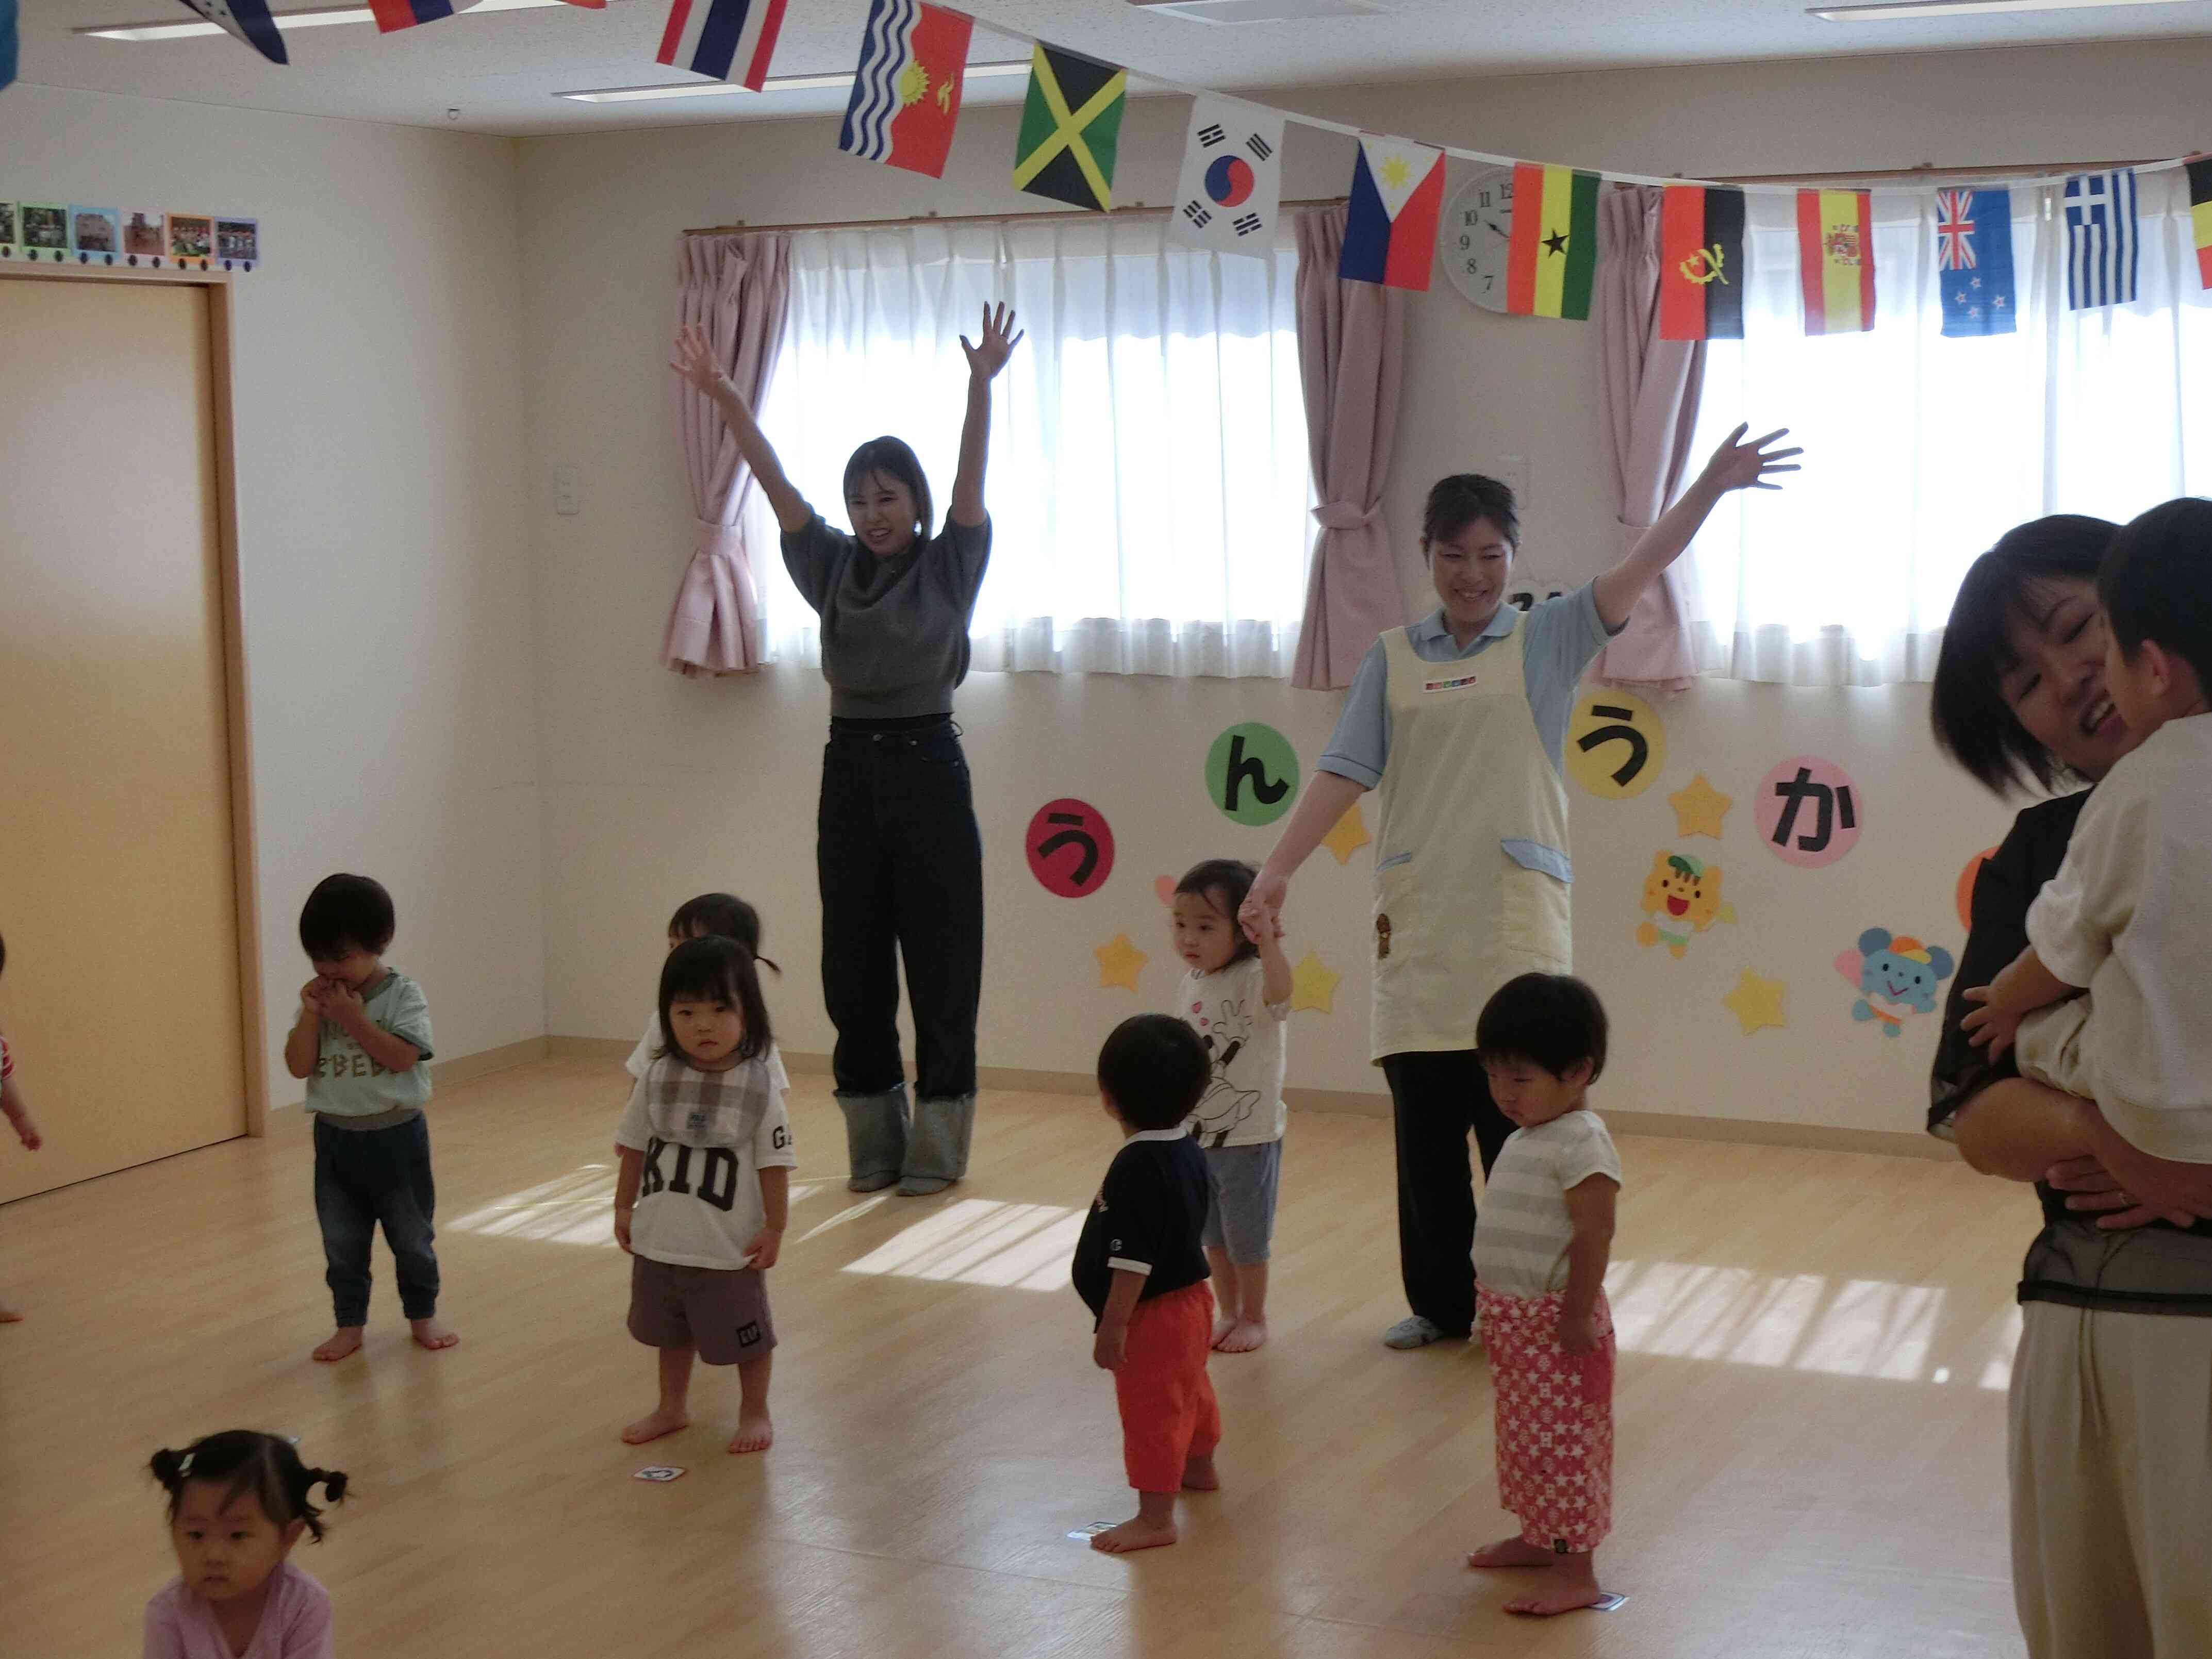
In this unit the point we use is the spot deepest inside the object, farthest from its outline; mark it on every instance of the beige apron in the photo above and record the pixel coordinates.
(1471, 870)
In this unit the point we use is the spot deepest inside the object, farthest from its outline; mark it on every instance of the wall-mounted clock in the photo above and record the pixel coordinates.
(1477, 235)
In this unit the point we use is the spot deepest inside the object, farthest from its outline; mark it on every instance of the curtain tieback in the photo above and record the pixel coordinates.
(719, 538)
(1343, 515)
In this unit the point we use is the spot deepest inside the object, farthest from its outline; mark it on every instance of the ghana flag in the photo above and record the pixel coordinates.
(1070, 125)
(1554, 250)
(1701, 262)
(2200, 215)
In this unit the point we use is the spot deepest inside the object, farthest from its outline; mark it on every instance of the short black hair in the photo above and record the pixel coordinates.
(1223, 883)
(251, 1462)
(1457, 502)
(1551, 1020)
(725, 913)
(713, 969)
(894, 458)
(2156, 583)
(1153, 1068)
(1973, 723)
(346, 913)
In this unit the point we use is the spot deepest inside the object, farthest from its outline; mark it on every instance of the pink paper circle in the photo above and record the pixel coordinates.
(1070, 848)
(1810, 811)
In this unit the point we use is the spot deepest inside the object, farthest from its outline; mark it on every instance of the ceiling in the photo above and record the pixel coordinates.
(499, 70)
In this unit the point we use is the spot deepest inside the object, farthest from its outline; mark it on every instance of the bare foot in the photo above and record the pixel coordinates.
(346, 1339)
(1249, 1333)
(754, 1433)
(1223, 1325)
(652, 1427)
(9, 1316)
(1198, 1474)
(1135, 1533)
(432, 1335)
(1515, 1552)
(1561, 1595)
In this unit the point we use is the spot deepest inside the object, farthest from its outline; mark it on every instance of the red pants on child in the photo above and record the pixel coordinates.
(1169, 1415)
(1554, 1420)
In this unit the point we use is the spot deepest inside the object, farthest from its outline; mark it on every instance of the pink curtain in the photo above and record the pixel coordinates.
(1351, 339)
(1652, 388)
(737, 290)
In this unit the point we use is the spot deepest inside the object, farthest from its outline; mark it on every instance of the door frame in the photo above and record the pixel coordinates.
(238, 733)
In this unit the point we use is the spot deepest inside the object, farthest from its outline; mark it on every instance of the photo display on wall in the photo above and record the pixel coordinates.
(145, 238)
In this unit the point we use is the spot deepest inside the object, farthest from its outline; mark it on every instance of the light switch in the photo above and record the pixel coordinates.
(567, 491)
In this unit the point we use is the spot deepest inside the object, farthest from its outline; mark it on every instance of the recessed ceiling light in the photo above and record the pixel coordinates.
(314, 18)
(774, 83)
(1903, 8)
(1257, 11)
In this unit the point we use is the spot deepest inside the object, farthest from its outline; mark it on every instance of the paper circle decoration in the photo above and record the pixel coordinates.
(1810, 811)
(1252, 773)
(1071, 850)
(1616, 743)
(1967, 878)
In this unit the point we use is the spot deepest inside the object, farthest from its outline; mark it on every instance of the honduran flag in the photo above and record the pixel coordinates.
(1391, 223)
(728, 39)
(1835, 259)
(1701, 266)
(248, 21)
(2200, 215)
(906, 92)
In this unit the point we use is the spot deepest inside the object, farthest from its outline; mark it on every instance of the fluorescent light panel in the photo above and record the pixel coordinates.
(316, 17)
(1905, 9)
(775, 84)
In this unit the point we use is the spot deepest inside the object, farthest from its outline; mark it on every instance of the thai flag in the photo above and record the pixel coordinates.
(2101, 238)
(249, 20)
(406, 14)
(727, 39)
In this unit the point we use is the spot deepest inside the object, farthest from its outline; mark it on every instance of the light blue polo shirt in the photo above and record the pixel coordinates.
(1564, 636)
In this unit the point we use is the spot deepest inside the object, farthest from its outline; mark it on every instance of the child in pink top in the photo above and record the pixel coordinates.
(238, 1501)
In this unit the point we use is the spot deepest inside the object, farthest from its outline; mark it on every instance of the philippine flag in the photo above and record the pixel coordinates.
(248, 20)
(906, 92)
(728, 39)
(1390, 224)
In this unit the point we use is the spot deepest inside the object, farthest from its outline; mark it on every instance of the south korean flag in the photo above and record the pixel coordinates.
(1231, 190)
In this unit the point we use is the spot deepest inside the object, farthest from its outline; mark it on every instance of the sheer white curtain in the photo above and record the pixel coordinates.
(1148, 488)
(1921, 451)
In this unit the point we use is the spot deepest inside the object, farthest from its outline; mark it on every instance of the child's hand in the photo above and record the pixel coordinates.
(1578, 1332)
(622, 1229)
(1992, 1025)
(28, 1131)
(1110, 1348)
(766, 1247)
(313, 993)
(695, 361)
(341, 1005)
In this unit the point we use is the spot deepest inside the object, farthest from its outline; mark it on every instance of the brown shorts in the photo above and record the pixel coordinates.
(722, 1312)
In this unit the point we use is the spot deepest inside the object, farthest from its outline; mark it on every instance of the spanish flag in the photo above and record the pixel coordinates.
(1835, 253)
(2200, 215)
(1701, 262)
(1554, 250)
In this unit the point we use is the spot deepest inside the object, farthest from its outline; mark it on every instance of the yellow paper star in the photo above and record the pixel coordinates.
(1755, 1002)
(1700, 809)
(1119, 963)
(1349, 835)
(1312, 985)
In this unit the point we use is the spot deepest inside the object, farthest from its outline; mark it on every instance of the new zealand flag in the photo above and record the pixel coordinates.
(1973, 261)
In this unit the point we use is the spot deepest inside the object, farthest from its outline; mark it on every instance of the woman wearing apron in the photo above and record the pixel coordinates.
(1460, 721)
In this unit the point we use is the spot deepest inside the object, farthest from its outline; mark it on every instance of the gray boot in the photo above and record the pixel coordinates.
(937, 1146)
(875, 1138)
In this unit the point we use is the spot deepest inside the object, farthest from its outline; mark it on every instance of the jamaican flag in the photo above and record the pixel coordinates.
(1069, 128)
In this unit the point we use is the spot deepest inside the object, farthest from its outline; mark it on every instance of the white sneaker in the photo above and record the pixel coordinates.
(1412, 1332)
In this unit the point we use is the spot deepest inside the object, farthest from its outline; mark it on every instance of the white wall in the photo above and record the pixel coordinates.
(656, 787)
(384, 570)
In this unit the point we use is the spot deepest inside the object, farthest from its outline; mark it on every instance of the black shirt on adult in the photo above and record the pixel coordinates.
(1147, 1219)
(2161, 1268)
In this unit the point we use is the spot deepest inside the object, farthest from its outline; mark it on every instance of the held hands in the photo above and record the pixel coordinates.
(1739, 465)
(985, 360)
(767, 1246)
(695, 361)
(1578, 1332)
(1110, 1348)
(1260, 915)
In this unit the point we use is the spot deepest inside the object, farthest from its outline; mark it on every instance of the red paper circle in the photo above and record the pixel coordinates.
(1071, 850)
(1967, 878)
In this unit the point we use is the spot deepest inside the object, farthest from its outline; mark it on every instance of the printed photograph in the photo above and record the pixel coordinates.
(237, 240)
(7, 223)
(141, 232)
(96, 230)
(192, 236)
(45, 227)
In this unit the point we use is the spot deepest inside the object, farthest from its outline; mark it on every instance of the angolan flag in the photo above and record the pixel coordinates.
(1701, 268)
(727, 39)
(1554, 256)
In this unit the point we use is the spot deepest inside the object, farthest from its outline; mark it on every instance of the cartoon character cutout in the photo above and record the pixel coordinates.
(1682, 897)
(1224, 1106)
(1896, 976)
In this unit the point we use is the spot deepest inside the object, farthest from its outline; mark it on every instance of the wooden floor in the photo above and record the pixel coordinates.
(1810, 1412)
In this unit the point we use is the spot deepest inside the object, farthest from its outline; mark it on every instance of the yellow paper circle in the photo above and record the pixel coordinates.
(1616, 743)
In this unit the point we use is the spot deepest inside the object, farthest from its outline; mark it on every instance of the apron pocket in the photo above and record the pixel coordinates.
(1534, 917)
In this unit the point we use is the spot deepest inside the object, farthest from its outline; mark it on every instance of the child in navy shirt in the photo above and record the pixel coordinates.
(1140, 1269)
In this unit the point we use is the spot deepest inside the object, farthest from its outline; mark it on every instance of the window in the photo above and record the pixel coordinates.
(1149, 485)
(1921, 450)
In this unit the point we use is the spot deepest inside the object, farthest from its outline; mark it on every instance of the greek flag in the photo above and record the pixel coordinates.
(2101, 238)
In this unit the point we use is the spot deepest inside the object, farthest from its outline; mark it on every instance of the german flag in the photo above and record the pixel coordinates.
(1835, 258)
(1554, 255)
(2200, 215)
(1701, 262)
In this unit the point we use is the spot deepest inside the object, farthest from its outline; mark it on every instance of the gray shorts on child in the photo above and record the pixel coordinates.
(1240, 1217)
(722, 1312)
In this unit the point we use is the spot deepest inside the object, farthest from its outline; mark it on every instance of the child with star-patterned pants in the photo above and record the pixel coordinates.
(1554, 1421)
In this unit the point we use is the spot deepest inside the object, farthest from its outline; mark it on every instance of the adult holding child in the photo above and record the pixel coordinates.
(2110, 1441)
(897, 852)
(1460, 720)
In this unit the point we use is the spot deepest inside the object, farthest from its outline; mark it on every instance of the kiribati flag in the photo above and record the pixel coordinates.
(1973, 261)
(906, 92)
(2100, 239)
(248, 20)
(728, 39)
(1391, 223)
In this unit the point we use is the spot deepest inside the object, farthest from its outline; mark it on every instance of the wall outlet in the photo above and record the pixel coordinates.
(568, 488)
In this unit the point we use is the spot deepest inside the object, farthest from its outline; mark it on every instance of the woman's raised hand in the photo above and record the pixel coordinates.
(695, 361)
(1737, 465)
(1000, 339)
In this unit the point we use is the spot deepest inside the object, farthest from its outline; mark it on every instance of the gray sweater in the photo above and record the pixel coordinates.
(894, 631)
